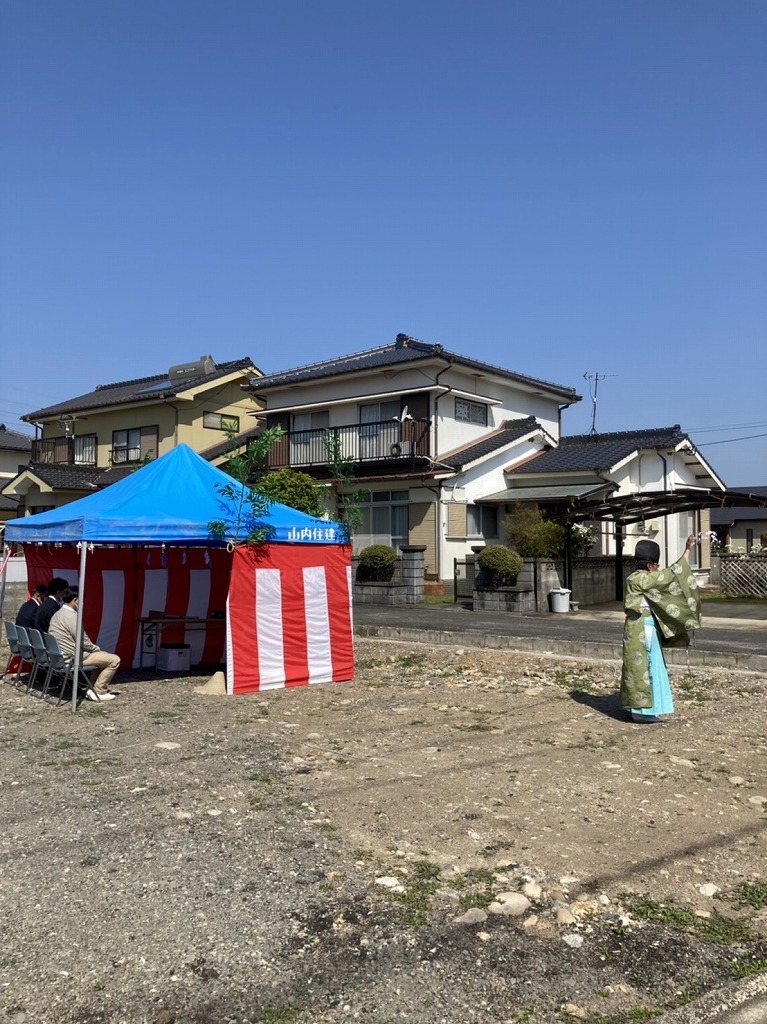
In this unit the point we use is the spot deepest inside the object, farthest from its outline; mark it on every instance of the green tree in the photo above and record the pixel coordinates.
(289, 487)
(531, 534)
(348, 513)
(242, 507)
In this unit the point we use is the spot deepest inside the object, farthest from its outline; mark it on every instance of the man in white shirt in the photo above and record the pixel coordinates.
(63, 627)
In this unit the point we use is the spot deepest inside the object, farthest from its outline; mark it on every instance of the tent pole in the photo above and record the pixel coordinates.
(3, 571)
(79, 627)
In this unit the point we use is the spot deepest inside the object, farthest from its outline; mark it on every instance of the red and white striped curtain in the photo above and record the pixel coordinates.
(289, 616)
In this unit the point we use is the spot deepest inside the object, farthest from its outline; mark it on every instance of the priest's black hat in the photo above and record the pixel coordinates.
(647, 551)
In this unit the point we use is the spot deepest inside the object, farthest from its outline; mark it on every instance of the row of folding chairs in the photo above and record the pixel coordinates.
(41, 653)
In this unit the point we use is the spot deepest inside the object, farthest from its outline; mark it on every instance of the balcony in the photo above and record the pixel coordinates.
(390, 441)
(66, 451)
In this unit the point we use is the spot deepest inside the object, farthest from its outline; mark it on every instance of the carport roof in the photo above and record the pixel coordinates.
(581, 502)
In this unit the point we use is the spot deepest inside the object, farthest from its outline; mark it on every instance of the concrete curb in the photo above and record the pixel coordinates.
(742, 1002)
(569, 648)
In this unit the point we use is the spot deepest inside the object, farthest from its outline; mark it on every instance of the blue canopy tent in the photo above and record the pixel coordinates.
(169, 501)
(162, 510)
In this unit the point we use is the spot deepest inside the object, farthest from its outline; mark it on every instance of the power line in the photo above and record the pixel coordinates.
(729, 426)
(730, 440)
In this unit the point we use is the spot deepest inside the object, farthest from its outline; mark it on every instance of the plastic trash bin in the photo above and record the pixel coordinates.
(560, 600)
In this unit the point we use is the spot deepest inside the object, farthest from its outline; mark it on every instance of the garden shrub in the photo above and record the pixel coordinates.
(376, 564)
(501, 563)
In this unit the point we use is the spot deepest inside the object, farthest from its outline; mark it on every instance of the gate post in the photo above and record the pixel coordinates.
(413, 572)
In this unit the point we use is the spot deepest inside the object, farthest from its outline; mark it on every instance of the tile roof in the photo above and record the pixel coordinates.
(14, 440)
(511, 430)
(65, 477)
(588, 452)
(404, 350)
(8, 504)
(140, 389)
(217, 450)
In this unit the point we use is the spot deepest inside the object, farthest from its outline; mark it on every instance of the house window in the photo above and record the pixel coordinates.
(379, 429)
(384, 520)
(470, 412)
(305, 421)
(133, 445)
(221, 421)
(84, 450)
(482, 521)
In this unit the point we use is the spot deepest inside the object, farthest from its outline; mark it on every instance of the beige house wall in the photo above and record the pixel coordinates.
(422, 529)
(178, 420)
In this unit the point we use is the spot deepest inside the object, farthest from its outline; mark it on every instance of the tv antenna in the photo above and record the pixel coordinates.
(595, 379)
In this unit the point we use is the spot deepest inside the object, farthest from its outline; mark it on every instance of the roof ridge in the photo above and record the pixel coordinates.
(231, 363)
(611, 435)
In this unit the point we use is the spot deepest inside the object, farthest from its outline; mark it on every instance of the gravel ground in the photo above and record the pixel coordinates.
(457, 835)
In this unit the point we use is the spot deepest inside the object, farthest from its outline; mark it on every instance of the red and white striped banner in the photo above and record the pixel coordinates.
(289, 616)
(124, 585)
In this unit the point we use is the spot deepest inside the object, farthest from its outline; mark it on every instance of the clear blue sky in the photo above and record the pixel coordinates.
(559, 188)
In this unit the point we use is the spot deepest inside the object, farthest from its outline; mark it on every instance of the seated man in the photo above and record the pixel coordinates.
(28, 610)
(51, 604)
(63, 627)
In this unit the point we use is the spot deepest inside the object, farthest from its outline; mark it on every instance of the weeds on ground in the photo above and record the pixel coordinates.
(747, 968)
(694, 687)
(747, 894)
(718, 929)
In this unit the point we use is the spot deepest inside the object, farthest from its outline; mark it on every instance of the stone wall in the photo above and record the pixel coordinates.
(406, 586)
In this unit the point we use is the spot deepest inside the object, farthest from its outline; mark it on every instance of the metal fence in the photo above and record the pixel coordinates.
(463, 579)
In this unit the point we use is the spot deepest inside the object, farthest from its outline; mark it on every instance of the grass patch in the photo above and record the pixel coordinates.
(694, 687)
(412, 660)
(718, 929)
(747, 968)
(573, 680)
(747, 894)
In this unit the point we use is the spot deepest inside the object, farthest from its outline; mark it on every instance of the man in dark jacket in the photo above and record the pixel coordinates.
(28, 610)
(51, 604)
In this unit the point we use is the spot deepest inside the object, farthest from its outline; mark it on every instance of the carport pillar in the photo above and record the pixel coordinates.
(568, 565)
(618, 561)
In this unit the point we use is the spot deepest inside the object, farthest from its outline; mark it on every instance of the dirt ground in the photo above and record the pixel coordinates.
(472, 835)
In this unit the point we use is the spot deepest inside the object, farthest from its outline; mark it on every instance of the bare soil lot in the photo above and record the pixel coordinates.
(456, 835)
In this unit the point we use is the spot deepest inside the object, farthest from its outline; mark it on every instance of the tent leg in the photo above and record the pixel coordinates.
(79, 629)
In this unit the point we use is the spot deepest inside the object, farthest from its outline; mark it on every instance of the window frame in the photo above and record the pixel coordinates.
(470, 406)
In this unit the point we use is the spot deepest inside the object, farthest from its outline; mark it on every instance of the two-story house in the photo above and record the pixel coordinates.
(429, 432)
(15, 449)
(87, 442)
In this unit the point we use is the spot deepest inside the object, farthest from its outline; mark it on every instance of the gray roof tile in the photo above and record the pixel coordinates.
(511, 430)
(140, 389)
(404, 350)
(584, 452)
(14, 440)
(65, 477)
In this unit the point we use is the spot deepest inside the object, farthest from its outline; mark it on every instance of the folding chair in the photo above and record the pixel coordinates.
(42, 661)
(27, 656)
(65, 667)
(11, 631)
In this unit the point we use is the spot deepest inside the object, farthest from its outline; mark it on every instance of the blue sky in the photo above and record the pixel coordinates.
(559, 188)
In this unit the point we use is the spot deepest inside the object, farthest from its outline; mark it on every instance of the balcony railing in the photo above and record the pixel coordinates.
(66, 451)
(385, 441)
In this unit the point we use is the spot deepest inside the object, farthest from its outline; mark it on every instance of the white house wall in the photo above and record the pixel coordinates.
(350, 393)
